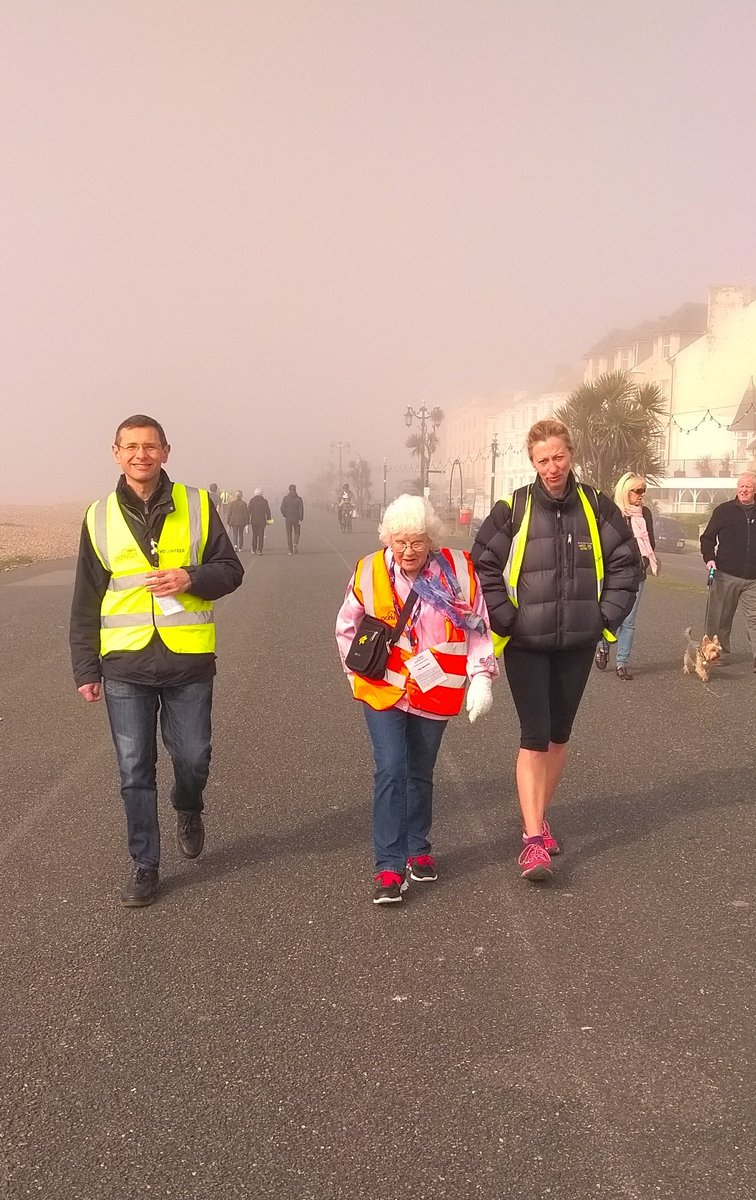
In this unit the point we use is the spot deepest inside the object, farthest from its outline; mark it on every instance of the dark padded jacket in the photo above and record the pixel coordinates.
(219, 573)
(558, 603)
(729, 539)
(259, 511)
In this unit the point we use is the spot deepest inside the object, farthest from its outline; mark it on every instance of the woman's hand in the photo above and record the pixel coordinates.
(479, 697)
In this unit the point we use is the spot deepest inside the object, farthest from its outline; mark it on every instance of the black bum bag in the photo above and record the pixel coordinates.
(371, 645)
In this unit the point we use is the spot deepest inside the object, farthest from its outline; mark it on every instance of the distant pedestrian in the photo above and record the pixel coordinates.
(225, 500)
(292, 510)
(728, 543)
(153, 556)
(237, 520)
(628, 496)
(214, 494)
(259, 516)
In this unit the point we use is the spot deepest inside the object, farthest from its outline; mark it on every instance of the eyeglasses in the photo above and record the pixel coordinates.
(402, 547)
(638, 491)
(147, 447)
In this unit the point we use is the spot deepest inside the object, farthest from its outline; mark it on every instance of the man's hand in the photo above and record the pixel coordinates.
(91, 692)
(168, 583)
(711, 565)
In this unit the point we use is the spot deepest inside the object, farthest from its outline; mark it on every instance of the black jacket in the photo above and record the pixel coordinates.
(292, 507)
(219, 573)
(259, 510)
(558, 604)
(730, 539)
(237, 514)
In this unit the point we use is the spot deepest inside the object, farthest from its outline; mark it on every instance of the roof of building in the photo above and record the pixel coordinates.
(745, 418)
(688, 318)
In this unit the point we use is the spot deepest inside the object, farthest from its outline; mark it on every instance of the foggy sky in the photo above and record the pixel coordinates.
(273, 225)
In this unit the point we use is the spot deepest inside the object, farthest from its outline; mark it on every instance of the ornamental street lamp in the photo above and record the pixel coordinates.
(494, 456)
(433, 417)
(340, 446)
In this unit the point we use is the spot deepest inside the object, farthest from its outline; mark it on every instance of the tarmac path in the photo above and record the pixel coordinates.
(264, 1031)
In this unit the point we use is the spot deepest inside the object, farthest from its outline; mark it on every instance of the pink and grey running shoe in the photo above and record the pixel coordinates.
(535, 863)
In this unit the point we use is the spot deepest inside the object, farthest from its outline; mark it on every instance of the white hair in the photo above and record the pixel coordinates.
(411, 514)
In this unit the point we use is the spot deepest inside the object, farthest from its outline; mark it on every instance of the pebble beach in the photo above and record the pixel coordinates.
(34, 532)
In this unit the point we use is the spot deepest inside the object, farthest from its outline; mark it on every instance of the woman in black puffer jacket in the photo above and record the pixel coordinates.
(558, 566)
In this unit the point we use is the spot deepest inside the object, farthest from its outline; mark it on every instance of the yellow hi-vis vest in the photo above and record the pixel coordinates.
(129, 614)
(372, 587)
(513, 568)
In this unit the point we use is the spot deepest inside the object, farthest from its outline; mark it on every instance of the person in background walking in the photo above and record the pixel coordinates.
(153, 556)
(558, 563)
(728, 543)
(259, 515)
(446, 641)
(214, 494)
(292, 510)
(628, 496)
(237, 520)
(225, 500)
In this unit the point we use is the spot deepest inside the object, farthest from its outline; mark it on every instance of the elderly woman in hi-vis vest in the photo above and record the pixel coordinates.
(435, 597)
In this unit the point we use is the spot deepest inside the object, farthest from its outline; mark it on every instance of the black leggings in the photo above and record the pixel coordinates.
(547, 687)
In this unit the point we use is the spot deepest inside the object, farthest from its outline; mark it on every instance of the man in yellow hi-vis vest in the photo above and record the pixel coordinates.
(153, 556)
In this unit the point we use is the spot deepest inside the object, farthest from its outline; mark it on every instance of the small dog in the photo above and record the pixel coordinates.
(700, 657)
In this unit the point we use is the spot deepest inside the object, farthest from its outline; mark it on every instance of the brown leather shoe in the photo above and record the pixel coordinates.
(623, 673)
(140, 888)
(190, 833)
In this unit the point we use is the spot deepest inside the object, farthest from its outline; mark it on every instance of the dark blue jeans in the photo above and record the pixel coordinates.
(405, 748)
(185, 721)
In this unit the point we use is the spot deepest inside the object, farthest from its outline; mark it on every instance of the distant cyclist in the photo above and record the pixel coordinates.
(345, 508)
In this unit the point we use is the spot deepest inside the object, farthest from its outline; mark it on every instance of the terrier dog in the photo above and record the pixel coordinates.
(699, 657)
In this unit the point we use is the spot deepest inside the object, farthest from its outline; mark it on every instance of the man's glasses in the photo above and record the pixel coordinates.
(402, 547)
(147, 447)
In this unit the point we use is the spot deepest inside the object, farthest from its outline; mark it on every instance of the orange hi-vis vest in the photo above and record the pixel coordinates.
(372, 587)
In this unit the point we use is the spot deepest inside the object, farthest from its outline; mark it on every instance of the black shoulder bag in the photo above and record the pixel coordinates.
(371, 645)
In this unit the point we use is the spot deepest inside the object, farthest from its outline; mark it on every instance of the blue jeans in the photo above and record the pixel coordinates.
(405, 748)
(626, 632)
(185, 719)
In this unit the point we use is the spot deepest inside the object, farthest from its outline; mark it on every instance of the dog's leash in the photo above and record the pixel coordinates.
(709, 581)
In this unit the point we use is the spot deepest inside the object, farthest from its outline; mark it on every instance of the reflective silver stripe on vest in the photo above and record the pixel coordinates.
(124, 582)
(125, 620)
(366, 584)
(462, 571)
(101, 531)
(195, 524)
(205, 617)
(132, 620)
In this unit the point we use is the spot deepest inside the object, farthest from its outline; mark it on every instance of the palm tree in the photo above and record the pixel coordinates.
(423, 445)
(360, 474)
(616, 426)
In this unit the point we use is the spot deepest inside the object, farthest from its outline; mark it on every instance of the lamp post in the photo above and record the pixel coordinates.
(340, 446)
(494, 456)
(434, 417)
(385, 468)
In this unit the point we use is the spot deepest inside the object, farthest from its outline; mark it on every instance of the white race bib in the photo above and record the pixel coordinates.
(425, 671)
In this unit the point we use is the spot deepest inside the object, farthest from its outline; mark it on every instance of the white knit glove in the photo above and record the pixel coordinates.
(479, 697)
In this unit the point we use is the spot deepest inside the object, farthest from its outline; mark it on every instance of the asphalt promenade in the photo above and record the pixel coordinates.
(265, 1032)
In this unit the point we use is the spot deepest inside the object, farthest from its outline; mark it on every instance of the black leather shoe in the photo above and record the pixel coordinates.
(190, 833)
(602, 656)
(140, 888)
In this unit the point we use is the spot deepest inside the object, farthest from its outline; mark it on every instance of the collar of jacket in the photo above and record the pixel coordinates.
(545, 500)
(161, 500)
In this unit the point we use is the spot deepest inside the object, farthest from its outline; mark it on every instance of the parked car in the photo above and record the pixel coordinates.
(669, 534)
